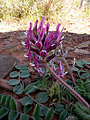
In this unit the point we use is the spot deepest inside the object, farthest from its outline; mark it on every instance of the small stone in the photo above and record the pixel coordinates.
(84, 44)
(7, 47)
(81, 51)
(22, 35)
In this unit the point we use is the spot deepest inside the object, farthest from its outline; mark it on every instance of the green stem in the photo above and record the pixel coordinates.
(68, 87)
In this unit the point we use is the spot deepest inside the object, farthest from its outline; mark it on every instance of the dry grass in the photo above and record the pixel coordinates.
(67, 12)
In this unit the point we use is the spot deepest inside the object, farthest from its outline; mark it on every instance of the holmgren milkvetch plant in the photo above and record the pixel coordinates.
(41, 46)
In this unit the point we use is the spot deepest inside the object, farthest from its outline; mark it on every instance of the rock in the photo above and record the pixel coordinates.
(81, 51)
(6, 62)
(84, 44)
(4, 85)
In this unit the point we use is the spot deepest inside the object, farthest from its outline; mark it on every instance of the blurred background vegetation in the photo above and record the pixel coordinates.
(54, 10)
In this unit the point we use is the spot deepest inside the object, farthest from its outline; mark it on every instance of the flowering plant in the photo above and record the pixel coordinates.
(41, 46)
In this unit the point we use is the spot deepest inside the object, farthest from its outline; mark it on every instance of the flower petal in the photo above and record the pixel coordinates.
(41, 36)
(47, 27)
(41, 23)
(29, 55)
(38, 44)
(35, 60)
(46, 42)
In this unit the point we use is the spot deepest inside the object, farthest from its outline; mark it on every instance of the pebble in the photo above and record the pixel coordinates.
(81, 51)
(22, 35)
(84, 44)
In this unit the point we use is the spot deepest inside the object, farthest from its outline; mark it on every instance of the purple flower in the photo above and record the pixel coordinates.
(29, 37)
(40, 42)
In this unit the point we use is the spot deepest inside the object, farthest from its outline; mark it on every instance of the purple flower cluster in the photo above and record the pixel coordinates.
(40, 42)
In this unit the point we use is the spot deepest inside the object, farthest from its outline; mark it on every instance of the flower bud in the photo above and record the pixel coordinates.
(43, 53)
(38, 44)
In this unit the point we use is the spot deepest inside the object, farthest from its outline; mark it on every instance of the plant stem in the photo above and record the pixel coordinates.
(67, 86)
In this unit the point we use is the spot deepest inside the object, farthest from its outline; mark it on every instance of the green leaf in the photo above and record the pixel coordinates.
(3, 112)
(63, 115)
(24, 67)
(38, 118)
(24, 74)
(8, 101)
(27, 108)
(14, 74)
(36, 111)
(13, 82)
(18, 89)
(80, 63)
(30, 88)
(49, 114)
(75, 69)
(3, 100)
(85, 75)
(85, 62)
(59, 108)
(24, 117)
(17, 67)
(43, 110)
(13, 105)
(26, 101)
(0, 97)
(13, 115)
(42, 97)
